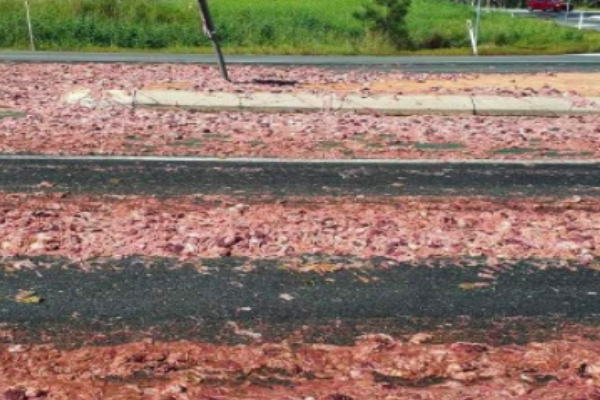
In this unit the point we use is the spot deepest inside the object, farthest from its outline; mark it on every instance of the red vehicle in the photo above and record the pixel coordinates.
(548, 5)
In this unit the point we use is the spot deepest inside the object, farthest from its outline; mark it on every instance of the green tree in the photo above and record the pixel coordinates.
(388, 19)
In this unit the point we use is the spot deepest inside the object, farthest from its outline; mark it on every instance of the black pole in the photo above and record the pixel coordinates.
(209, 30)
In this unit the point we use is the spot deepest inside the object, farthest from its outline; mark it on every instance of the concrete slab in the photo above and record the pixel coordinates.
(187, 99)
(409, 105)
(117, 97)
(81, 96)
(290, 102)
(86, 98)
(306, 102)
(381, 104)
(255, 102)
(533, 106)
(7, 112)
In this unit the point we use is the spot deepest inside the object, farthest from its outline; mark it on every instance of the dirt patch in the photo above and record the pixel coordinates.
(184, 85)
(584, 84)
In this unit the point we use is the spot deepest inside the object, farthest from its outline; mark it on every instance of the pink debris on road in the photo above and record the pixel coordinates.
(54, 127)
(405, 229)
(377, 367)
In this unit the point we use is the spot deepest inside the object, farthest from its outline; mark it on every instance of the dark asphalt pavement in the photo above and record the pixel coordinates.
(184, 177)
(442, 64)
(221, 302)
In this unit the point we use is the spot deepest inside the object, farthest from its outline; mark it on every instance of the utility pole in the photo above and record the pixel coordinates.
(209, 30)
(472, 37)
(29, 27)
(477, 21)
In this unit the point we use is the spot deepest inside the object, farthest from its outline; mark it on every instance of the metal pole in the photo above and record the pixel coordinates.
(29, 27)
(580, 20)
(209, 30)
(472, 37)
(477, 21)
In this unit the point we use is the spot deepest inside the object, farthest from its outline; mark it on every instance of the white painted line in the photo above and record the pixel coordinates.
(7, 157)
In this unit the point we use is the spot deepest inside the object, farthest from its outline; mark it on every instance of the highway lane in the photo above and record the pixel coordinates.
(225, 300)
(446, 64)
(227, 303)
(185, 176)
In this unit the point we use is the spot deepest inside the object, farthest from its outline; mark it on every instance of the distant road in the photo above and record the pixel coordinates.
(586, 63)
(591, 19)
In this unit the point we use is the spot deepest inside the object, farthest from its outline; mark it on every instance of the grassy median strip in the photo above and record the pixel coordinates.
(280, 26)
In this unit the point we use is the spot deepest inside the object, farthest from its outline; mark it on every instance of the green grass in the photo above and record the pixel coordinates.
(439, 146)
(11, 114)
(330, 145)
(516, 150)
(273, 27)
(188, 143)
(568, 153)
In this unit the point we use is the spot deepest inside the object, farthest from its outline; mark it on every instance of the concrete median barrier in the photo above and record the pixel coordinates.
(382, 104)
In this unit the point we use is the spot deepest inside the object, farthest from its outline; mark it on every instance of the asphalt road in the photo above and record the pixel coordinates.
(181, 176)
(448, 64)
(589, 19)
(226, 304)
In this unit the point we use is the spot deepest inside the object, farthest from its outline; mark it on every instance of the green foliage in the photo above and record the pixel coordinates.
(388, 19)
(277, 27)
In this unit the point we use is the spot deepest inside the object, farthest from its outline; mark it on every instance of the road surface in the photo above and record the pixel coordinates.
(185, 176)
(138, 295)
(448, 64)
(589, 19)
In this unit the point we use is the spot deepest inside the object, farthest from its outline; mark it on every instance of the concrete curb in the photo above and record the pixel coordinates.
(381, 104)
